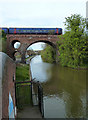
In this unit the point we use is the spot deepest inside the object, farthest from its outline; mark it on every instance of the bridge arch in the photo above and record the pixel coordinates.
(17, 56)
(36, 41)
(26, 40)
(14, 54)
(43, 41)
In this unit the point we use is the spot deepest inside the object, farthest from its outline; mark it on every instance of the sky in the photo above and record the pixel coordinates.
(39, 13)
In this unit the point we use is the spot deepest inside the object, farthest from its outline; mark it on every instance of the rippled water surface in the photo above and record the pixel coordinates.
(64, 89)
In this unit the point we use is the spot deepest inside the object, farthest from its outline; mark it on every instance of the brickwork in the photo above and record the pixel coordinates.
(8, 86)
(26, 40)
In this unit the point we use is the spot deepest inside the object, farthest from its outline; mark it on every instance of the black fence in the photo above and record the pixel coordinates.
(40, 99)
(25, 92)
(38, 92)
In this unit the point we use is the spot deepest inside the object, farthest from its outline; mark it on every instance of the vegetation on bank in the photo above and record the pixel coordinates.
(48, 54)
(23, 90)
(2, 42)
(22, 72)
(73, 44)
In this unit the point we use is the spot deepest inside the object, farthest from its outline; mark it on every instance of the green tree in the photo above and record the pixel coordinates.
(48, 54)
(74, 46)
(2, 41)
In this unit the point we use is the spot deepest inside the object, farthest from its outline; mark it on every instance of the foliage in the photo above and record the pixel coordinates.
(3, 34)
(2, 41)
(48, 54)
(74, 46)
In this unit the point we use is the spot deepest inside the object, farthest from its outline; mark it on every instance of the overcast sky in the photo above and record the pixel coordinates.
(39, 13)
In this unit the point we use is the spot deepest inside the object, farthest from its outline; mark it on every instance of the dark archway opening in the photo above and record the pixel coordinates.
(16, 44)
(17, 56)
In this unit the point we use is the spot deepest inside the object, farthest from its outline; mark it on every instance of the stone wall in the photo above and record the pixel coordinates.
(7, 79)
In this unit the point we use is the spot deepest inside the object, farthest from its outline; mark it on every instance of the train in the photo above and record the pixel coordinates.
(54, 31)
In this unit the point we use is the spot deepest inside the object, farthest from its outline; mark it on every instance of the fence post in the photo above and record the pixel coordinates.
(15, 95)
(31, 92)
(40, 98)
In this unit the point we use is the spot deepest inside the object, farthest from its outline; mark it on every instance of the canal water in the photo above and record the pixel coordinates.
(64, 89)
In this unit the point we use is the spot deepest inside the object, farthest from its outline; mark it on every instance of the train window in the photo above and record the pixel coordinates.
(24, 30)
(45, 30)
(27, 30)
(19, 30)
(60, 30)
(36, 30)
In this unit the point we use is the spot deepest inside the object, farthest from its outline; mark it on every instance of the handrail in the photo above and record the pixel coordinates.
(23, 82)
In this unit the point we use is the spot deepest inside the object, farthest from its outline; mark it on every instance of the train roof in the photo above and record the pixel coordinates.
(31, 27)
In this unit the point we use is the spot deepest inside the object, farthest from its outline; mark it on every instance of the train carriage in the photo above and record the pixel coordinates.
(33, 30)
(5, 30)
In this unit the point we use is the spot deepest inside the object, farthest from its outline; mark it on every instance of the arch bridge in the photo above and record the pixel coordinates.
(26, 40)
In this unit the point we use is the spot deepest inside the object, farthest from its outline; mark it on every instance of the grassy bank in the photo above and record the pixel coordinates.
(22, 72)
(23, 90)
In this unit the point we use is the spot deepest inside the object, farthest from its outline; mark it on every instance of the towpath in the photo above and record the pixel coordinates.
(29, 112)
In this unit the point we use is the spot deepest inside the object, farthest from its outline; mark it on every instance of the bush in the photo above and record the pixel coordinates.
(48, 54)
(74, 47)
(2, 41)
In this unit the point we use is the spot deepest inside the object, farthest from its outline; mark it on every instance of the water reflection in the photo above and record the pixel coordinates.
(64, 89)
(54, 107)
(39, 69)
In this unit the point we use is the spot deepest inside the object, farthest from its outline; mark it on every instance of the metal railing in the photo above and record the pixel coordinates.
(37, 90)
(40, 99)
(20, 89)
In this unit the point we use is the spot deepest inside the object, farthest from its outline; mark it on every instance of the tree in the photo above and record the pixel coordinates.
(2, 41)
(74, 47)
(48, 54)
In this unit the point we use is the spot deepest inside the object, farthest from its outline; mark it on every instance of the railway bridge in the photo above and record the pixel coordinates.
(26, 40)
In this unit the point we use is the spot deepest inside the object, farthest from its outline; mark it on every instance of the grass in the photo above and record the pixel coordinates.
(23, 90)
(22, 72)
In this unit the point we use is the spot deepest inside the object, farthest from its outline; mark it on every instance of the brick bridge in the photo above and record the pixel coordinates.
(26, 40)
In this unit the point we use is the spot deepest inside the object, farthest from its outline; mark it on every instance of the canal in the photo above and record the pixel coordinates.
(64, 89)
